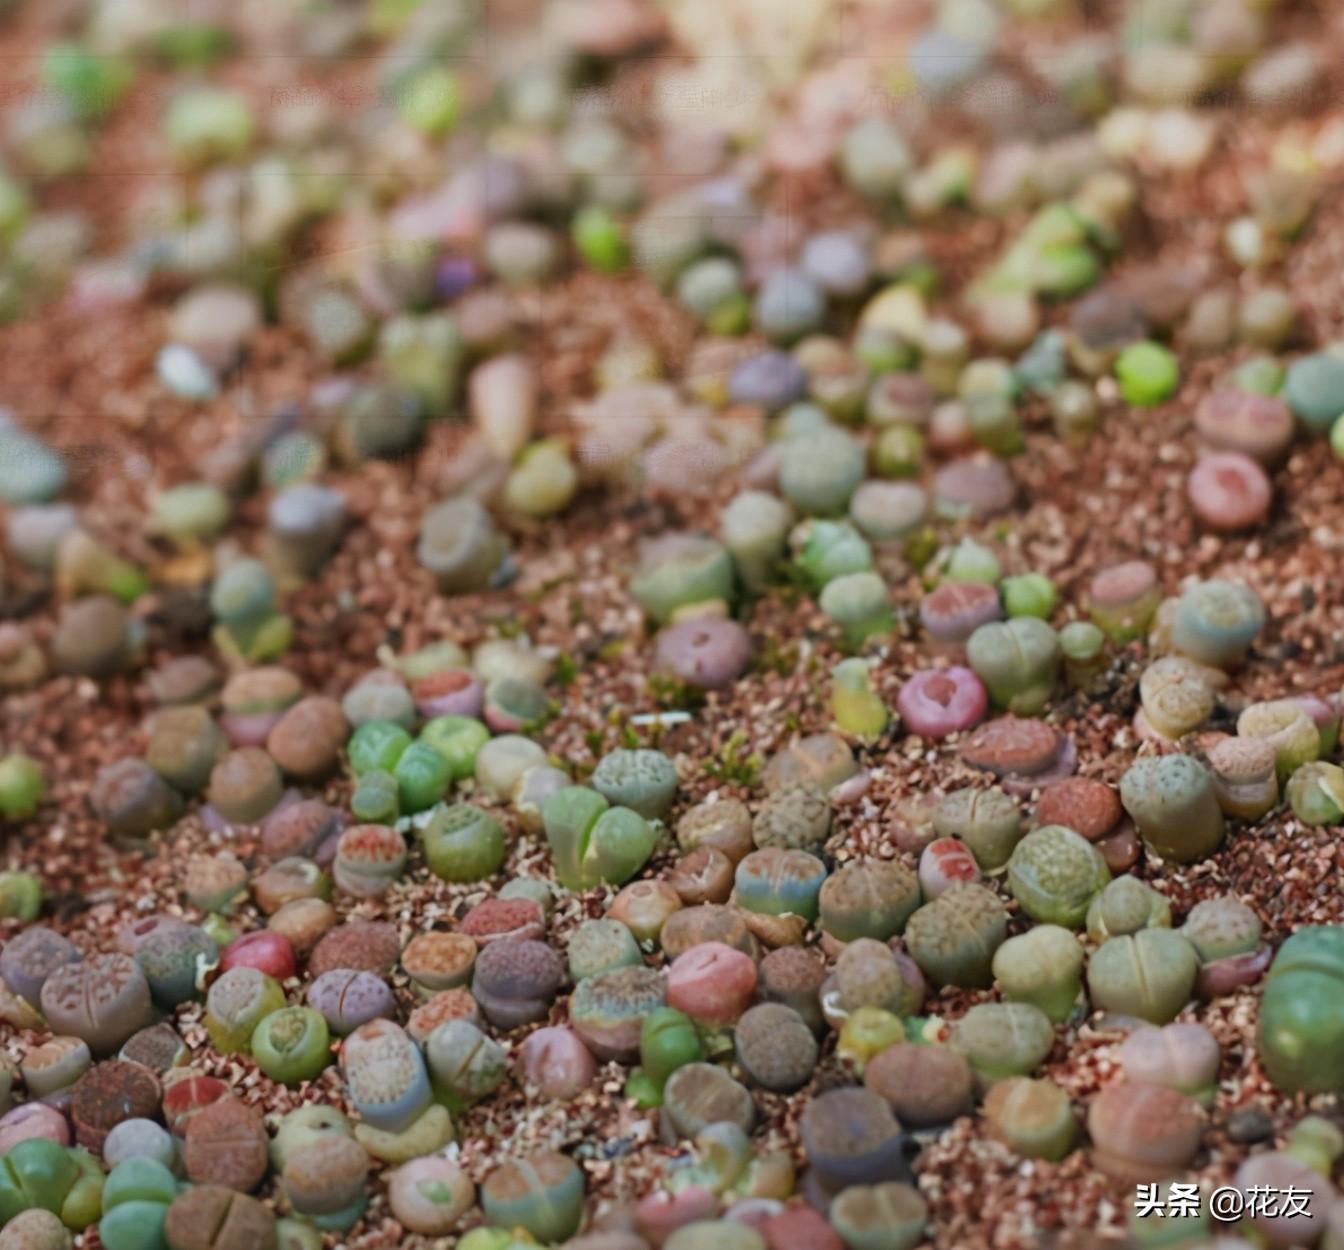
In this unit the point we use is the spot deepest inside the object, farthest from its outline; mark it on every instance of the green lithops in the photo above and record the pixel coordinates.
(1172, 801)
(677, 571)
(1043, 967)
(592, 841)
(462, 843)
(1215, 623)
(1301, 1030)
(818, 472)
(1055, 873)
(1126, 906)
(953, 938)
(988, 821)
(643, 780)
(1316, 793)
(1149, 974)
(857, 707)
(1286, 727)
(1001, 1040)
(1018, 660)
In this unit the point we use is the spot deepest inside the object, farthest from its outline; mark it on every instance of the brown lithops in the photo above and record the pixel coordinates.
(109, 1093)
(1083, 804)
(1143, 1133)
(103, 1000)
(362, 945)
(925, 1085)
(226, 1145)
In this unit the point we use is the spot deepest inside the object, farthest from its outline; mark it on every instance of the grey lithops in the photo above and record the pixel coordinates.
(643, 780)
(988, 821)
(1001, 1040)
(797, 817)
(953, 939)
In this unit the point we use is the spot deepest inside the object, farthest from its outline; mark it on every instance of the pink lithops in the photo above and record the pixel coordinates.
(557, 1062)
(33, 1119)
(1012, 745)
(953, 612)
(942, 701)
(712, 983)
(450, 692)
(944, 863)
(1229, 491)
(1259, 426)
(707, 652)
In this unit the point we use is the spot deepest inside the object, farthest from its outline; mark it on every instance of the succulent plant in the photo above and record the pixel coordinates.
(542, 1194)
(775, 1047)
(1083, 647)
(1123, 599)
(870, 898)
(643, 780)
(988, 821)
(1143, 1133)
(1183, 1057)
(1018, 660)
(1043, 967)
(1126, 905)
(593, 841)
(889, 1216)
(852, 1138)
(462, 843)
(1215, 622)
(1149, 974)
(779, 882)
(1176, 696)
(754, 527)
(243, 599)
(464, 1065)
(861, 603)
(1301, 1031)
(677, 571)
(1316, 793)
(1288, 729)
(1172, 802)
(795, 817)
(599, 946)
(1033, 1118)
(828, 550)
(856, 707)
(1054, 874)
(926, 1085)
(953, 938)
(1245, 781)
(1001, 1040)
(460, 546)
(870, 974)
(818, 472)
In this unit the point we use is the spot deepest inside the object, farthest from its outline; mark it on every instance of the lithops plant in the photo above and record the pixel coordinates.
(677, 571)
(1033, 1118)
(464, 1065)
(889, 1216)
(607, 1011)
(1301, 1029)
(779, 882)
(1225, 933)
(1316, 793)
(1054, 874)
(953, 938)
(592, 841)
(1245, 781)
(385, 1076)
(1127, 905)
(1018, 660)
(988, 821)
(1184, 1057)
(1215, 622)
(775, 1047)
(1001, 1040)
(925, 1085)
(1043, 967)
(796, 817)
(1172, 802)
(643, 780)
(1143, 1133)
(870, 974)
(1176, 696)
(700, 1094)
(852, 1138)
(1289, 730)
(542, 1194)
(1150, 974)
(871, 898)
